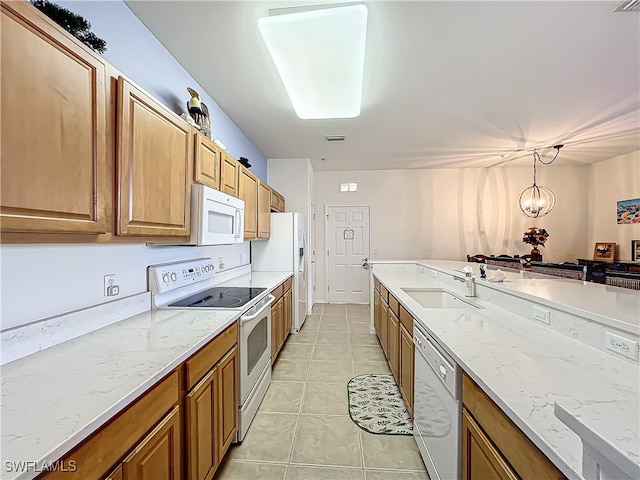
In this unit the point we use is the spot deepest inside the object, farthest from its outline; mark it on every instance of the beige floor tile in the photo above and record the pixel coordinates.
(358, 308)
(361, 368)
(332, 338)
(269, 438)
(334, 308)
(326, 398)
(333, 326)
(293, 370)
(283, 397)
(365, 353)
(398, 452)
(356, 318)
(334, 317)
(363, 339)
(300, 472)
(323, 440)
(234, 470)
(296, 351)
(317, 308)
(307, 336)
(359, 327)
(394, 475)
(332, 352)
(330, 371)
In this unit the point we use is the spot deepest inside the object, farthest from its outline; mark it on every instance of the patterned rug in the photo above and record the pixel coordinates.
(376, 406)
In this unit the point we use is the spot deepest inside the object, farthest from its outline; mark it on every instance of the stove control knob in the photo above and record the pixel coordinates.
(174, 277)
(165, 277)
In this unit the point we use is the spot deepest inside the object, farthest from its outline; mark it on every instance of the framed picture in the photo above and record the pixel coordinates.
(604, 251)
(635, 250)
(629, 211)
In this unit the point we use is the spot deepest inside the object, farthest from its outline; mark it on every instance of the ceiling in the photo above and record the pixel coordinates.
(447, 84)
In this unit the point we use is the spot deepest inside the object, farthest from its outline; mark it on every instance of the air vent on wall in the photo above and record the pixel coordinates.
(335, 138)
(628, 6)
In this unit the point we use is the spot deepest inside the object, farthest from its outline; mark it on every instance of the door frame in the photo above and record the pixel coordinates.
(326, 243)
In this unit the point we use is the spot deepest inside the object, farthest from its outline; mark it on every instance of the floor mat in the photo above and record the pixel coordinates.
(376, 406)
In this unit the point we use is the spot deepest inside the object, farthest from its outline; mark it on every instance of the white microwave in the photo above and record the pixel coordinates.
(216, 218)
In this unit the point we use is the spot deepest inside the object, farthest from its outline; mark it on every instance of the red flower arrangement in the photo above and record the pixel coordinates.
(535, 236)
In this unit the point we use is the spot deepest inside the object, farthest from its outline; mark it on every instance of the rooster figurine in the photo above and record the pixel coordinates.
(199, 112)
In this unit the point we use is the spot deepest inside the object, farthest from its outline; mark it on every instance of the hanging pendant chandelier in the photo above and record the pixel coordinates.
(537, 201)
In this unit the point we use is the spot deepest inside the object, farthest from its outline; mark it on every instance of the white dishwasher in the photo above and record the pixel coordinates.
(437, 407)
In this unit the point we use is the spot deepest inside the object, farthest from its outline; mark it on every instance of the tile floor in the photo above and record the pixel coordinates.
(303, 429)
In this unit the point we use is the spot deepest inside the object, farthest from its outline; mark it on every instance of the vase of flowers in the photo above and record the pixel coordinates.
(536, 237)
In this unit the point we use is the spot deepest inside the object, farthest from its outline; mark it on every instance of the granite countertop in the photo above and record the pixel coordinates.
(525, 367)
(57, 397)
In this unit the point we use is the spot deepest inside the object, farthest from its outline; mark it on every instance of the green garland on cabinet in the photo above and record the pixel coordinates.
(75, 24)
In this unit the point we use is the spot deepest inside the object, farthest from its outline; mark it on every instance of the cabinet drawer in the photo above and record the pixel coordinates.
(394, 305)
(287, 283)
(406, 319)
(210, 354)
(376, 284)
(277, 292)
(384, 294)
(517, 449)
(96, 456)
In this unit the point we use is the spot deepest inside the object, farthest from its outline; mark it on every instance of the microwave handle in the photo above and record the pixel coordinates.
(238, 224)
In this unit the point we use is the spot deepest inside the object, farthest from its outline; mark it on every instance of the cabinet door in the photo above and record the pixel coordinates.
(264, 210)
(201, 421)
(116, 474)
(394, 345)
(281, 322)
(406, 368)
(480, 459)
(377, 312)
(274, 332)
(54, 133)
(207, 162)
(158, 455)
(248, 191)
(288, 313)
(154, 157)
(384, 329)
(229, 170)
(227, 400)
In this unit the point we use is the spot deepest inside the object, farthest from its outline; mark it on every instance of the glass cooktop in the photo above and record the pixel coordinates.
(220, 297)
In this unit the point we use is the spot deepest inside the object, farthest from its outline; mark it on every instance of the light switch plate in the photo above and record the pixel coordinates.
(542, 315)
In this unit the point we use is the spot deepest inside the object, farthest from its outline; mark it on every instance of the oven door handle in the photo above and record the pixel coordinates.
(245, 319)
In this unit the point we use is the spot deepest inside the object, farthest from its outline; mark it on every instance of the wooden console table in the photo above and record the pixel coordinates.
(596, 269)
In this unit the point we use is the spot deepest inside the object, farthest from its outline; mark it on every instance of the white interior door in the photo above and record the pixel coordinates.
(348, 249)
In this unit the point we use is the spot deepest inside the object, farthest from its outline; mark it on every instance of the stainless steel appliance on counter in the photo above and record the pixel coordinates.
(190, 285)
(436, 407)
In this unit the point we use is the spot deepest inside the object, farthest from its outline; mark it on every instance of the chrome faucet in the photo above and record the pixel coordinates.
(469, 282)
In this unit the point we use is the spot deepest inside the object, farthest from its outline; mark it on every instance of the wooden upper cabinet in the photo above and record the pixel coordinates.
(264, 210)
(229, 174)
(277, 201)
(54, 138)
(248, 191)
(153, 159)
(207, 162)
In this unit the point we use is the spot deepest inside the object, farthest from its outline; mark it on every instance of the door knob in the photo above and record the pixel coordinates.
(365, 265)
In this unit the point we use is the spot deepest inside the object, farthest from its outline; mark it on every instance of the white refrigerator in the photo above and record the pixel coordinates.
(285, 251)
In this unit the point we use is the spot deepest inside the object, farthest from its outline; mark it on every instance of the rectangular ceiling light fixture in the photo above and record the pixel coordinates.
(319, 55)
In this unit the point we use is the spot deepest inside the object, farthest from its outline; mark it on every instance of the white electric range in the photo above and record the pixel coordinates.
(191, 285)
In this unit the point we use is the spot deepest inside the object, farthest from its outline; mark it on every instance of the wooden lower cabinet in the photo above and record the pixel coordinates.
(281, 317)
(490, 440)
(158, 455)
(276, 327)
(480, 459)
(384, 329)
(211, 418)
(405, 375)
(377, 312)
(393, 345)
(288, 312)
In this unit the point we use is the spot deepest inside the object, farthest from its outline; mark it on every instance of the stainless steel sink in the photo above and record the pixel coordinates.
(438, 298)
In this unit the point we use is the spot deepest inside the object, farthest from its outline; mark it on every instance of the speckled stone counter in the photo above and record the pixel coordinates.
(525, 366)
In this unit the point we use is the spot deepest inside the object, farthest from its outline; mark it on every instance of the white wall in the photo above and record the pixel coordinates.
(449, 213)
(610, 181)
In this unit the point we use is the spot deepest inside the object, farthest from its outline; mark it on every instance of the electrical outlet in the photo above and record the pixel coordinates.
(542, 315)
(110, 287)
(220, 263)
(621, 345)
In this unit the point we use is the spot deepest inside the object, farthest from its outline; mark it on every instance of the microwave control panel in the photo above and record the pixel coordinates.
(170, 276)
